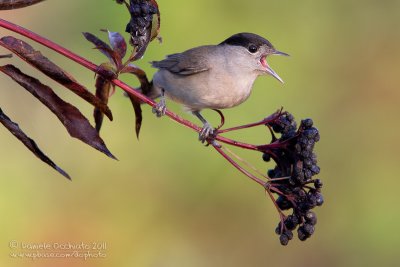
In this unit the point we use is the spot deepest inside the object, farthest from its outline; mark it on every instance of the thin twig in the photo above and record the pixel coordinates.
(248, 164)
(237, 166)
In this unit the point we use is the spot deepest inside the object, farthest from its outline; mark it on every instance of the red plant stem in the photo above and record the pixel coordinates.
(262, 122)
(91, 66)
(237, 166)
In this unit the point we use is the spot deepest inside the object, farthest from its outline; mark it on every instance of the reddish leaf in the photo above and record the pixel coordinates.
(29, 143)
(104, 48)
(103, 87)
(138, 114)
(118, 43)
(140, 74)
(36, 59)
(14, 4)
(144, 87)
(73, 120)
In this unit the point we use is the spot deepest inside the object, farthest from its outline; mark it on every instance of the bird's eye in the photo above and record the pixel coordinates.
(253, 48)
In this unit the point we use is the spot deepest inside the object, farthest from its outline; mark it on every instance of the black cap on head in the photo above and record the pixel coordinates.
(246, 39)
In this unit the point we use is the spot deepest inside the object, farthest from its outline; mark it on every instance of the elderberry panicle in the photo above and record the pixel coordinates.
(292, 179)
(140, 24)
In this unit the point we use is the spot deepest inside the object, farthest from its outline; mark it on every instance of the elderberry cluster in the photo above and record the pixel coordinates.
(139, 26)
(292, 178)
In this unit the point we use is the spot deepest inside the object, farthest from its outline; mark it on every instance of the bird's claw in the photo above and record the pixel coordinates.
(160, 108)
(206, 134)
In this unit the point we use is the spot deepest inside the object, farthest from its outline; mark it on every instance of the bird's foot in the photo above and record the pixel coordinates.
(207, 135)
(160, 108)
(206, 132)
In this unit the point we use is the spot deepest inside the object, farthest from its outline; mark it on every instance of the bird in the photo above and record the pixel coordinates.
(212, 76)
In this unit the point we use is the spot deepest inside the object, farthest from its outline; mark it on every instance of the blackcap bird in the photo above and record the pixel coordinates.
(213, 76)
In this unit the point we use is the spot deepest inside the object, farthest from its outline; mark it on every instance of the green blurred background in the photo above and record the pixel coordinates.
(169, 201)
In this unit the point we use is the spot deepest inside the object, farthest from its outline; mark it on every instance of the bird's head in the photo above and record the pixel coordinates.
(254, 50)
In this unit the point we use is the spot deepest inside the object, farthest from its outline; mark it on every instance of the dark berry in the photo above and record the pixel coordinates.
(317, 137)
(298, 192)
(318, 183)
(278, 229)
(314, 158)
(291, 222)
(315, 170)
(283, 203)
(308, 162)
(303, 140)
(289, 234)
(320, 199)
(153, 10)
(303, 207)
(308, 229)
(301, 234)
(307, 123)
(277, 128)
(310, 133)
(308, 174)
(311, 218)
(284, 239)
(312, 200)
(271, 173)
(145, 9)
(136, 11)
(305, 153)
(266, 157)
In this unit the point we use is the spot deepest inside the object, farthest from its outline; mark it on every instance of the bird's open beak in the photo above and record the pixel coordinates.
(268, 69)
(279, 53)
(274, 74)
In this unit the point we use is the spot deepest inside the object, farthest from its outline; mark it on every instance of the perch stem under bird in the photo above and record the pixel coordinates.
(212, 76)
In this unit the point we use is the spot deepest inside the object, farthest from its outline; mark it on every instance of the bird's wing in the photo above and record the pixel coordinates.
(186, 63)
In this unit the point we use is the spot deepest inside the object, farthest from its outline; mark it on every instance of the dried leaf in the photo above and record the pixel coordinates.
(155, 27)
(140, 74)
(103, 87)
(73, 120)
(145, 86)
(118, 43)
(37, 60)
(104, 48)
(29, 143)
(14, 4)
(138, 114)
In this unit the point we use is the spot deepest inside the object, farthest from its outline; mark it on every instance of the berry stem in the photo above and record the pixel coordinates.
(264, 121)
(237, 166)
(281, 215)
